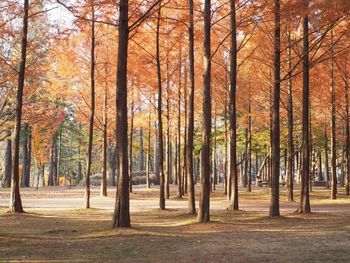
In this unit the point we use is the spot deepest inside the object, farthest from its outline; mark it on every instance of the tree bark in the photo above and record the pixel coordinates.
(92, 108)
(121, 216)
(190, 134)
(179, 179)
(159, 113)
(15, 197)
(275, 140)
(131, 140)
(347, 138)
(305, 176)
(233, 175)
(290, 143)
(103, 191)
(148, 157)
(204, 201)
(333, 127)
(8, 163)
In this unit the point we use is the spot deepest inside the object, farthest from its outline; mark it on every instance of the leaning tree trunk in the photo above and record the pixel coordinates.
(92, 108)
(305, 148)
(233, 175)
(121, 216)
(204, 201)
(159, 113)
(189, 156)
(15, 198)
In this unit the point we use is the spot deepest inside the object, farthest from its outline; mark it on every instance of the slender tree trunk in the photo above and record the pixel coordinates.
(214, 161)
(103, 191)
(141, 156)
(51, 179)
(326, 155)
(25, 155)
(305, 176)
(131, 139)
(275, 140)
(290, 143)
(160, 122)
(347, 138)
(148, 157)
(8, 163)
(59, 156)
(121, 216)
(227, 189)
(92, 107)
(190, 134)
(333, 127)
(233, 175)
(15, 197)
(204, 201)
(184, 170)
(112, 160)
(167, 151)
(249, 155)
(179, 179)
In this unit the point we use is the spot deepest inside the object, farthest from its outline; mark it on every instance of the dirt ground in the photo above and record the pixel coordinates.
(77, 235)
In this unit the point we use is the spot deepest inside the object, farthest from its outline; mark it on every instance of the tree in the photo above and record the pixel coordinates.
(275, 132)
(121, 216)
(15, 198)
(204, 201)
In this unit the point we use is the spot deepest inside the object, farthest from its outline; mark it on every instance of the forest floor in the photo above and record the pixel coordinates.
(63, 234)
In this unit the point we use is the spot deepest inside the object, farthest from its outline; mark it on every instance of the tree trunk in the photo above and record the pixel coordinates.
(167, 150)
(51, 180)
(159, 113)
(148, 157)
(305, 176)
(249, 155)
(184, 170)
(8, 163)
(190, 134)
(92, 113)
(204, 201)
(141, 156)
(290, 143)
(233, 175)
(25, 156)
(333, 127)
(131, 139)
(103, 191)
(112, 160)
(15, 197)
(326, 154)
(179, 179)
(347, 138)
(275, 140)
(121, 216)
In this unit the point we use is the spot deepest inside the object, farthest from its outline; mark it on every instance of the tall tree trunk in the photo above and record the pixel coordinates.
(92, 107)
(347, 137)
(204, 201)
(8, 163)
(305, 176)
(159, 113)
(190, 134)
(179, 179)
(275, 140)
(51, 180)
(121, 216)
(249, 155)
(233, 175)
(25, 155)
(290, 143)
(15, 198)
(167, 151)
(29, 163)
(141, 156)
(333, 127)
(131, 139)
(112, 160)
(148, 157)
(184, 169)
(103, 191)
(214, 168)
(226, 179)
(59, 156)
(326, 155)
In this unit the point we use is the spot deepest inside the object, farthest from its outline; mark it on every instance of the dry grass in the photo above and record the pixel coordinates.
(174, 236)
